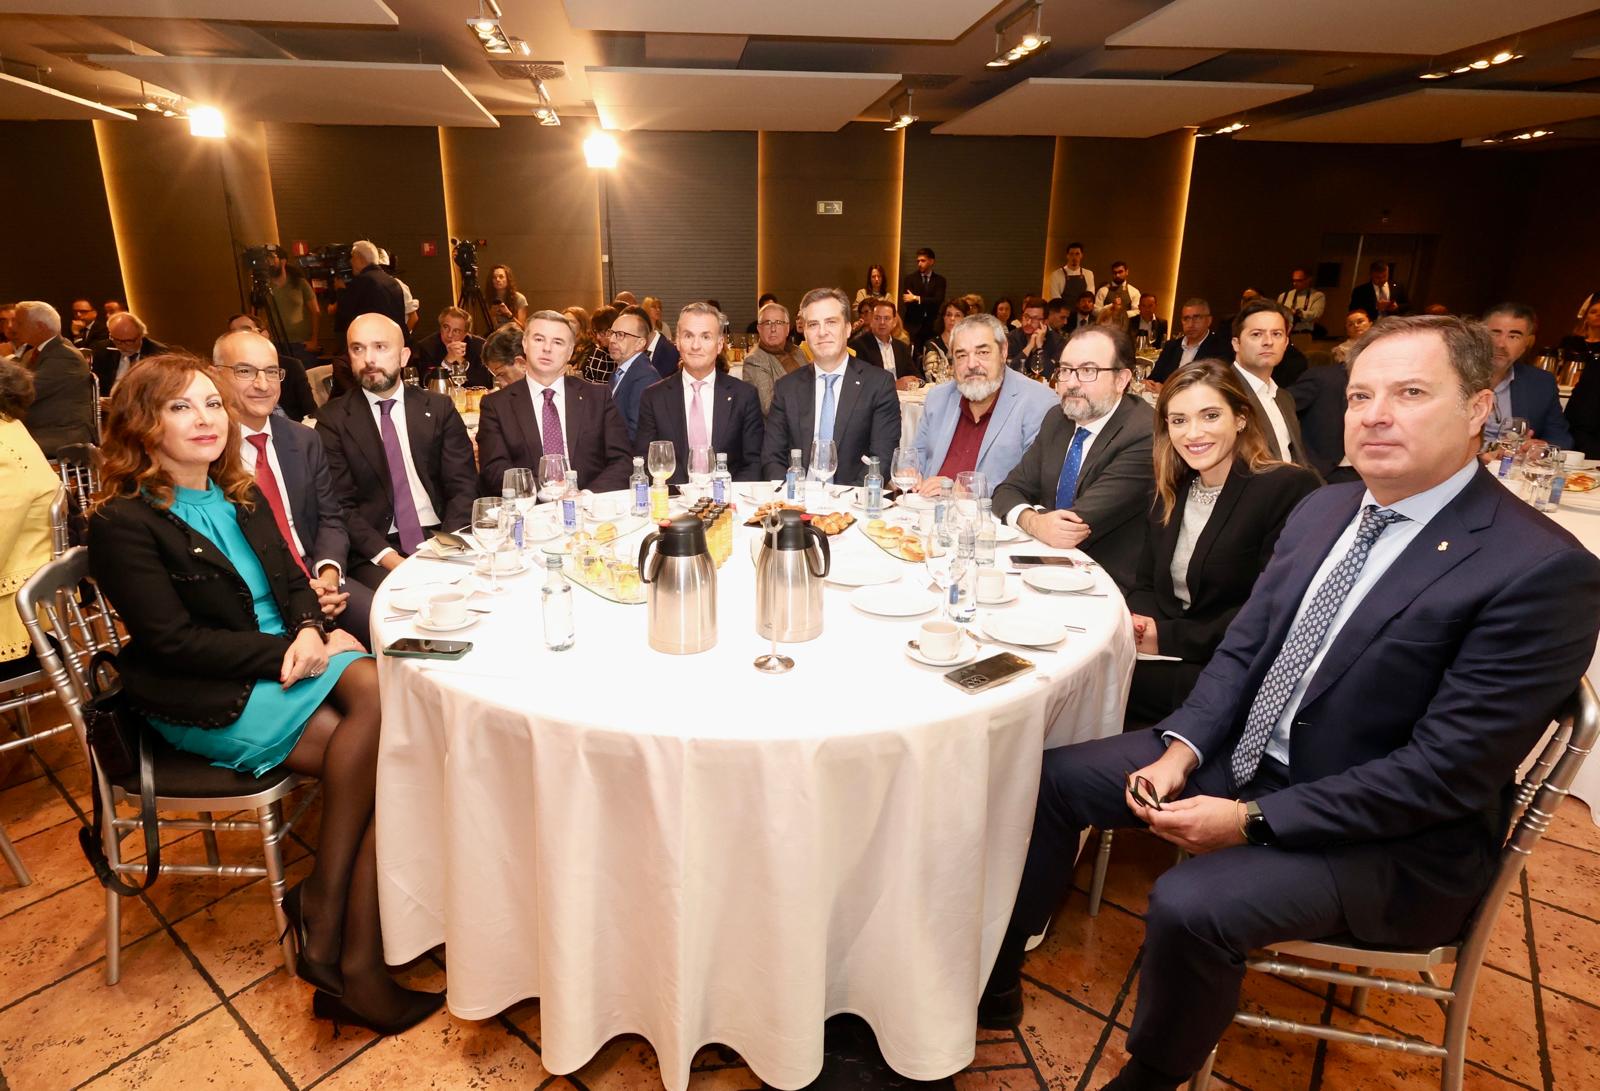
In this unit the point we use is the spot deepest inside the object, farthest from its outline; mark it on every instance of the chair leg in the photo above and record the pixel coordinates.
(271, 819)
(210, 839)
(1358, 994)
(1097, 881)
(9, 851)
(1453, 1067)
(113, 851)
(1202, 1078)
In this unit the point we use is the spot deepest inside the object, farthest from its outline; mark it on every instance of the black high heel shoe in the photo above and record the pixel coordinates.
(325, 976)
(326, 1006)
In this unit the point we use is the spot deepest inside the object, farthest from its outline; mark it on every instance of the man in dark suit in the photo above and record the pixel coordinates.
(1087, 480)
(877, 344)
(1344, 764)
(700, 406)
(552, 412)
(838, 397)
(128, 346)
(1379, 297)
(1146, 321)
(400, 457)
(1199, 342)
(370, 290)
(1260, 338)
(1522, 390)
(295, 399)
(1319, 403)
(291, 470)
(453, 341)
(63, 386)
(1035, 349)
(922, 299)
(662, 352)
(633, 374)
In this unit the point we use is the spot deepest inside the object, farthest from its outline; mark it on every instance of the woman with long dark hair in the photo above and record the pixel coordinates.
(227, 658)
(506, 304)
(877, 284)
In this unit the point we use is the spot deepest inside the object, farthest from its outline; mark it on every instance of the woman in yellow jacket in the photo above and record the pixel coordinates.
(27, 489)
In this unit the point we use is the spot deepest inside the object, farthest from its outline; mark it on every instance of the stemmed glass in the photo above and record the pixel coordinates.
(702, 462)
(519, 487)
(661, 459)
(491, 522)
(824, 462)
(552, 476)
(971, 486)
(903, 469)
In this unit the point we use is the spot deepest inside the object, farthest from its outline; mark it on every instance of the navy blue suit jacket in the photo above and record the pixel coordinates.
(1535, 399)
(313, 501)
(737, 426)
(665, 358)
(1405, 743)
(625, 394)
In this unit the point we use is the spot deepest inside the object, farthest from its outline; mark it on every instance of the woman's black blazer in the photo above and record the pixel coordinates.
(1233, 549)
(195, 650)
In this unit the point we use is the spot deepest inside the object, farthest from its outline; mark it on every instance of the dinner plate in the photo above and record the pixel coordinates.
(893, 600)
(1004, 532)
(1058, 579)
(1029, 630)
(862, 571)
(966, 652)
(472, 619)
(1581, 501)
(915, 501)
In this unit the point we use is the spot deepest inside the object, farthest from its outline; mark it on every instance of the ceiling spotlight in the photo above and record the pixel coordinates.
(491, 36)
(206, 121)
(1479, 64)
(1030, 42)
(544, 110)
(1502, 57)
(903, 118)
(1000, 60)
(1433, 75)
(600, 150)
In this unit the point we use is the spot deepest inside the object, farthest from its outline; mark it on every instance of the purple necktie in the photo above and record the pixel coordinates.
(406, 523)
(550, 426)
(697, 418)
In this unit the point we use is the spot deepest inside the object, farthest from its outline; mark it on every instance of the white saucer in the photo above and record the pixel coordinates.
(1009, 594)
(1004, 532)
(1058, 579)
(915, 501)
(894, 600)
(472, 619)
(862, 571)
(966, 652)
(1028, 630)
(518, 566)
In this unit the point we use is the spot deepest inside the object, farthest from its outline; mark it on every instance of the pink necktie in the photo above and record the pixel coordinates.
(697, 418)
(551, 426)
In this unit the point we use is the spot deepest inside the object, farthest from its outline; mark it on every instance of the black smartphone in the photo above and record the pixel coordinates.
(988, 673)
(1035, 561)
(412, 647)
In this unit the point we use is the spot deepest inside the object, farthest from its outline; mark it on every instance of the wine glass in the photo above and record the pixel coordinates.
(552, 476)
(491, 522)
(824, 461)
(904, 469)
(702, 462)
(519, 486)
(662, 459)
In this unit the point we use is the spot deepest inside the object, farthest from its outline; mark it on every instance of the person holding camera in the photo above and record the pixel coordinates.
(370, 290)
(506, 304)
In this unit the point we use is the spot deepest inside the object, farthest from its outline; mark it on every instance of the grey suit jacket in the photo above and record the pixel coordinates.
(1291, 418)
(1115, 484)
(64, 392)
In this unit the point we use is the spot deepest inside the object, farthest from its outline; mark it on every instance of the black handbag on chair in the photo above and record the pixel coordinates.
(120, 743)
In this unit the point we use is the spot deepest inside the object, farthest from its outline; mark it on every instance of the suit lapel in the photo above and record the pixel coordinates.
(676, 425)
(1261, 416)
(577, 421)
(1100, 453)
(808, 414)
(294, 471)
(1232, 489)
(524, 417)
(1004, 406)
(368, 440)
(420, 425)
(721, 412)
(849, 395)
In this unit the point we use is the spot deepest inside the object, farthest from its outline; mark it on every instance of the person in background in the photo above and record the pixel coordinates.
(88, 327)
(1147, 324)
(1522, 390)
(631, 373)
(624, 300)
(453, 344)
(1071, 279)
(8, 313)
(773, 357)
(877, 286)
(506, 304)
(701, 405)
(1319, 402)
(1003, 310)
(597, 367)
(295, 398)
(1356, 323)
(1117, 290)
(1583, 408)
(1199, 342)
(936, 350)
(1380, 296)
(1034, 348)
(1306, 305)
(1056, 313)
(1221, 499)
(879, 346)
(922, 293)
(652, 307)
(1260, 340)
(297, 308)
(227, 659)
(27, 490)
(64, 389)
(1082, 313)
(584, 343)
(974, 304)
(502, 355)
(128, 345)
(1112, 314)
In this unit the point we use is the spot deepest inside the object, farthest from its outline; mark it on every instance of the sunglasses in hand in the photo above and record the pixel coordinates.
(1143, 792)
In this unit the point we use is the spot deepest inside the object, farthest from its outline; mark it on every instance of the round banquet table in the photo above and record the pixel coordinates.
(1580, 514)
(684, 848)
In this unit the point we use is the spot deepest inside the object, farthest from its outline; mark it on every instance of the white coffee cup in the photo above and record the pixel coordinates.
(605, 507)
(991, 584)
(1572, 458)
(940, 639)
(443, 610)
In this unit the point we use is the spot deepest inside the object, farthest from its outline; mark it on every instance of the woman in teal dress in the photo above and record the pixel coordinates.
(227, 658)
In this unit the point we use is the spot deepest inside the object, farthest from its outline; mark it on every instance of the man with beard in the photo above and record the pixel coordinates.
(1086, 481)
(401, 459)
(983, 420)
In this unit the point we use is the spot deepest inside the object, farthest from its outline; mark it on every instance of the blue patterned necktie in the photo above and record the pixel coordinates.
(1301, 645)
(825, 420)
(1067, 484)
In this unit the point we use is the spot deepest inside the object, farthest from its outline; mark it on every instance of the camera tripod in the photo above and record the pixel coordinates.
(262, 303)
(473, 302)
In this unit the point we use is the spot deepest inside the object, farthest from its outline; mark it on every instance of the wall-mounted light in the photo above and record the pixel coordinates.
(903, 118)
(1505, 56)
(1222, 131)
(1031, 41)
(207, 121)
(544, 110)
(600, 150)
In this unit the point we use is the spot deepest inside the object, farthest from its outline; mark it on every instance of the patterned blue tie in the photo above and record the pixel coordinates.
(1067, 485)
(1301, 645)
(616, 381)
(825, 421)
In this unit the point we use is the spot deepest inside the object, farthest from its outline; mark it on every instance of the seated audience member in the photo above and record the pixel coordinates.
(662, 352)
(876, 287)
(1199, 342)
(1260, 339)
(1583, 408)
(1583, 341)
(506, 304)
(249, 681)
(128, 345)
(984, 419)
(552, 412)
(579, 318)
(863, 320)
(1522, 390)
(1380, 297)
(1319, 403)
(8, 345)
(936, 350)
(295, 400)
(878, 345)
(632, 372)
(1117, 289)
(290, 469)
(371, 289)
(1145, 323)
(836, 397)
(773, 357)
(64, 389)
(1345, 761)
(1112, 314)
(453, 343)
(624, 300)
(1085, 482)
(1073, 277)
(1033, 348)
(973, 303)
(598, 366)
(1082, 313)
(27, 490)
(88, 329)
(701, 405)
(1003, 310)
(1221, 499)
(1305, 305)
(652, 307)
(1056, 313)
(761, 301)
(502, 355)
(400, 456)
(1356, 323)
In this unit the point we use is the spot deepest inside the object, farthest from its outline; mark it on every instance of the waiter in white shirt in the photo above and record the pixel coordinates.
(1072, 279)
(1306, 305)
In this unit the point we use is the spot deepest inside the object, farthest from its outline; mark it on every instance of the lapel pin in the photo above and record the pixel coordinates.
(1443, 546)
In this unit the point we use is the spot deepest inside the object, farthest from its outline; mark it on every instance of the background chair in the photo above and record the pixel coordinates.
(321, 380)
(78, 466)
(63, 599)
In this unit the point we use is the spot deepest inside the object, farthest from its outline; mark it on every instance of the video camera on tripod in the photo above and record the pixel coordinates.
(464, 252)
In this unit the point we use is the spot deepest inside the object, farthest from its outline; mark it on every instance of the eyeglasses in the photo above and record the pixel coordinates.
(1086, 374)
(773, 324)
(247, 374)
(624, 335)
(983, 354)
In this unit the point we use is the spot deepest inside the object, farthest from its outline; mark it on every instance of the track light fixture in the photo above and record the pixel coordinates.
(544, 110)
(1223, 130)
(1031, 41)
(1505, 56)
(898, 121)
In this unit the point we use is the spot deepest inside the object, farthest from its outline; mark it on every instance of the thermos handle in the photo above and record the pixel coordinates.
(644, 548)
(827, 558)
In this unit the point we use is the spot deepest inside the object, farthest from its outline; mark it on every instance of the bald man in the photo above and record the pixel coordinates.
(401, 459)
(128, 346)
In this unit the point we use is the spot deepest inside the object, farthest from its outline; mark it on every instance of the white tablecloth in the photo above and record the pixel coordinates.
(686, 849)
(1585, 526)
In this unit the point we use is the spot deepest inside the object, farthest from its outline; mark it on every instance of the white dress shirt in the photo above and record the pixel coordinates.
(426, 516)
(1188, 352)
(886, 354)
(1058, 280)
(1419, 511)
(706, 402)
(1310, 303)
(1093, 427)
(1107, 290)
(1266, 392)
(821, 388)
(247, 454)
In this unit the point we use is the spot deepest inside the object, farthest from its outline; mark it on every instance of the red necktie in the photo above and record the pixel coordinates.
(268, 484)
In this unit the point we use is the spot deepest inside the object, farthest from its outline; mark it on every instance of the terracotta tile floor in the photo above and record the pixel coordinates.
(204, 1003)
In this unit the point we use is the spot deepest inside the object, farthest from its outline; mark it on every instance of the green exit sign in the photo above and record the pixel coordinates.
(830, 208)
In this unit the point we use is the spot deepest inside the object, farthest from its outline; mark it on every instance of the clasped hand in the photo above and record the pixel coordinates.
(1060, 529)
(308, 653)
(1198, 824)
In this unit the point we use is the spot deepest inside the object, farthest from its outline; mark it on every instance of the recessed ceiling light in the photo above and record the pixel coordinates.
(1502, 57)
(1479, 64)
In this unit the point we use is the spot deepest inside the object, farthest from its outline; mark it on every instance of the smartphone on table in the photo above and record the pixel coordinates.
(414, 647)
(1036, 561)
(988, 673)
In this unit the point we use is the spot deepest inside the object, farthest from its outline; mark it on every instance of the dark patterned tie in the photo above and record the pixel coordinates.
(1301, 645)
(406, 523)
(550, 426)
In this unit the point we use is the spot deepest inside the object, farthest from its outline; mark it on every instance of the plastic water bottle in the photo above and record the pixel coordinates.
(720, 480)
(791, 479)
(963, 603)
(639, 486)
(508, 497)
(555, 601)
(941, 505)
(984, 538)
(873, 484)
(569, 504)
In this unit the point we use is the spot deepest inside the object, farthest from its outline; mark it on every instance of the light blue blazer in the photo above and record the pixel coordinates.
(1017, 414)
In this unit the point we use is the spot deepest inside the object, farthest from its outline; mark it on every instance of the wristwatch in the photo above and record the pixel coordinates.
(1256, 829)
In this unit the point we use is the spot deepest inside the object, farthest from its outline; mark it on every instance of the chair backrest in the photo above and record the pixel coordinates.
(68, 620)
(78, 466)
(60, 522)
(321, 380)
